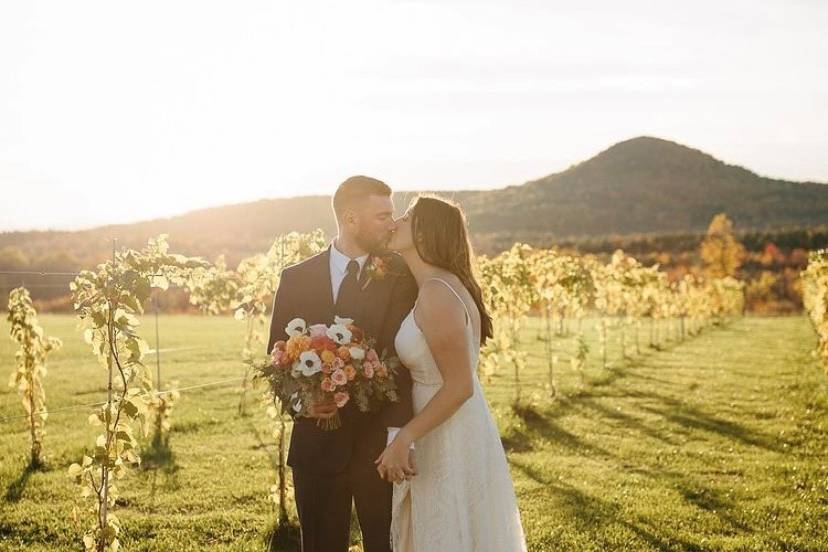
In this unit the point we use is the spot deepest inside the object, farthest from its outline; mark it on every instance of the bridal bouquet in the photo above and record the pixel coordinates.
(336, 363)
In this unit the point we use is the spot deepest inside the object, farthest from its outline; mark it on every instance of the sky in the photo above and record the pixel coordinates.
(114, 112)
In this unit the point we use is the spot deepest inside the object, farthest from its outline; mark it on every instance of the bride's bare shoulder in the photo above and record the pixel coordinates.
(438, 306)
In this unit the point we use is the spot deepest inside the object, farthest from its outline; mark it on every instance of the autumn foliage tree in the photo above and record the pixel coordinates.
(721, 253)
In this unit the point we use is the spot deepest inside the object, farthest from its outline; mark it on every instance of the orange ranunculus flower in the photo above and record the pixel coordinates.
(356, 334)
(350, 371)
(344, 353)
(327, 356)
(297, 345)
(382, 371)
(322, 343)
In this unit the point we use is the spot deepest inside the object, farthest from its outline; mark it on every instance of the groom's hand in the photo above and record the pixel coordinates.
(396, 463)
(398, 475)
(322, 411)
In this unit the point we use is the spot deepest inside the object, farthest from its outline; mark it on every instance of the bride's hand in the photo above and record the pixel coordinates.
(396, 462)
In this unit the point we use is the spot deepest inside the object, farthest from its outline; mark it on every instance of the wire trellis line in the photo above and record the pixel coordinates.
(38, 273)
(42, 273)
(36, 286)
(89, 405)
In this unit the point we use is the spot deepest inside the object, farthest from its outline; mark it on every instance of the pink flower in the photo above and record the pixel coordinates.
(368, 370)
(326, 368)
(341, 399)
(338, 364)
(339, 377)
(327, 385)
(372, 355)
(318, 330)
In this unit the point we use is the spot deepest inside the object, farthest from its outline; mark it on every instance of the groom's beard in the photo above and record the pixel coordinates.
(373, 244)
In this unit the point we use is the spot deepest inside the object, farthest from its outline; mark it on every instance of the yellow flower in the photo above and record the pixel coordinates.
(350, 371)
(327, 356)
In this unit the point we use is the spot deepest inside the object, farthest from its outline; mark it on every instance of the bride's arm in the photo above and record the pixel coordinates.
(442, 319)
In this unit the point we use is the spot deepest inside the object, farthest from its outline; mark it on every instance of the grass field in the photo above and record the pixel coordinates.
(716, 443)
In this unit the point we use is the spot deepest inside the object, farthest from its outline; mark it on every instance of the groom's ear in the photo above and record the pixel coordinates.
(348, 216)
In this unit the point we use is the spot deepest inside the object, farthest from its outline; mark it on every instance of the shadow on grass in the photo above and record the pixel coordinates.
(159, 455)
(713, 502)
(625, 419)
(535, 474)
(607, 376)
(14, 492)
(672, 410)
(693, 418)
(160, 458)
(594, 517)
(282, 537)
(540, 426)
(195, 426)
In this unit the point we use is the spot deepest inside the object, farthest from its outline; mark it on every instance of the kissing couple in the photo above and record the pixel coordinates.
(426, 473)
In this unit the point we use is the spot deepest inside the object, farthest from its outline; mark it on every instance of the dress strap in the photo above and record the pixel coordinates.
(465, 308)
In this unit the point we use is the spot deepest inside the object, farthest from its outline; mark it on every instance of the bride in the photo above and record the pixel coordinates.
(459, 495)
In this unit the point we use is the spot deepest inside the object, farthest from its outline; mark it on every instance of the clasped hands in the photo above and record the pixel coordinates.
(395, 464)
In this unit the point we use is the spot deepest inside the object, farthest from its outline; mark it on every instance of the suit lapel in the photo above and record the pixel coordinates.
(321, 284)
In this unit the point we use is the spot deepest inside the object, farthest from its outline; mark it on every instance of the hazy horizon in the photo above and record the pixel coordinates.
(128, 220)
(171, 108)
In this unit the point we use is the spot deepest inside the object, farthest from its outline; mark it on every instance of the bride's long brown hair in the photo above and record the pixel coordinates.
(438, 229)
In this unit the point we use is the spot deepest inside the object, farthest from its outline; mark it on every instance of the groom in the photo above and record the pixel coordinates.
(332, 468)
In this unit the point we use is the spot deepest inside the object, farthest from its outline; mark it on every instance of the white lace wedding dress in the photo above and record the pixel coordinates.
(462, 499)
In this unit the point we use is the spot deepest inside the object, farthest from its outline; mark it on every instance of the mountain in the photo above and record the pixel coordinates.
(640, 186)
(647, 185)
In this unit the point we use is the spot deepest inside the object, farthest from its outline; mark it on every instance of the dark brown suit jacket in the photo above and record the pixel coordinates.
(305, 291)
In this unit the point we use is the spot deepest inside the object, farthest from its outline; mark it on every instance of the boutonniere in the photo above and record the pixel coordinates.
(375, 268)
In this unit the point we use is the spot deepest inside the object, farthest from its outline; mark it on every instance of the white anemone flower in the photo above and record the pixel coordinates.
(339, 333)
(357, 353)
(343, 321)
(295, 327)
(310, 363)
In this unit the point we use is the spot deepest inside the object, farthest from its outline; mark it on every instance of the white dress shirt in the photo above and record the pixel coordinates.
(339, 268)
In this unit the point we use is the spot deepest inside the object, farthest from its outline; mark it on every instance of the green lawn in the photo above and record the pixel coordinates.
(716, 443)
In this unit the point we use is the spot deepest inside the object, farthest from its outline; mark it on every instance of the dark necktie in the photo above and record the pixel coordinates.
(347, 300)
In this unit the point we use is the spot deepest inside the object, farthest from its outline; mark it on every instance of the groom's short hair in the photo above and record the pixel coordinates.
(356, 189)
